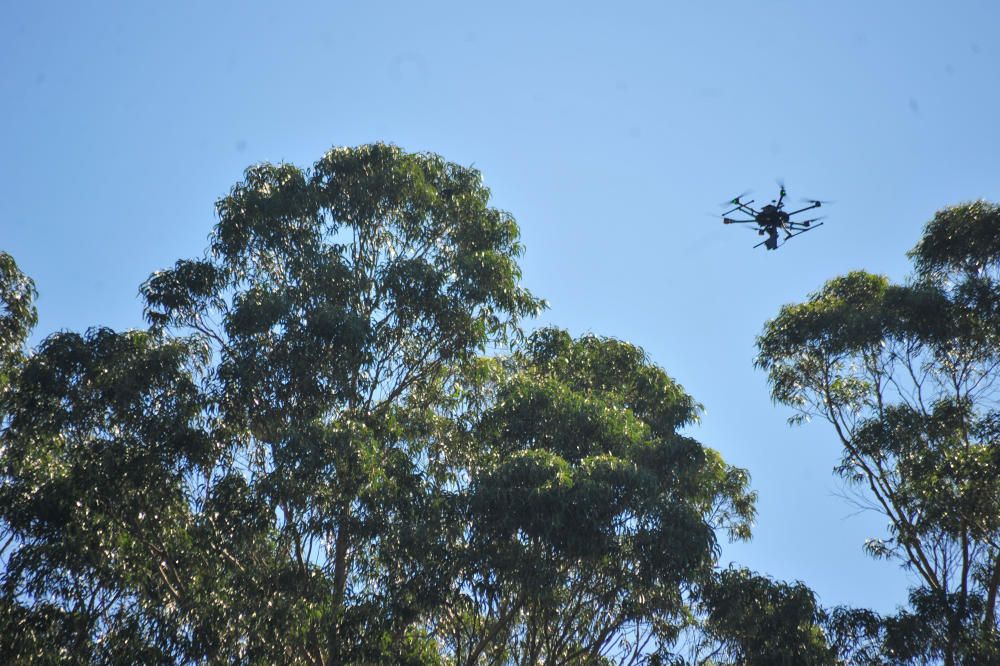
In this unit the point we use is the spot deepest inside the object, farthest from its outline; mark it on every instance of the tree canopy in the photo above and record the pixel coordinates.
(907, 375)
(334, 443)
(591, 519)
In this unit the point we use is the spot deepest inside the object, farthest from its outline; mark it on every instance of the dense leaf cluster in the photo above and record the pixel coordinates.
(591, 518)
(308, 457)
(334, 445)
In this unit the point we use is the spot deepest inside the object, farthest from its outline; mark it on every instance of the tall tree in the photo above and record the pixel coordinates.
(238, 484)
(333, 445)
(590, 519)
(907, 375)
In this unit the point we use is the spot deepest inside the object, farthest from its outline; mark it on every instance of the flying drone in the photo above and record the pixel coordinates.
(772, 218)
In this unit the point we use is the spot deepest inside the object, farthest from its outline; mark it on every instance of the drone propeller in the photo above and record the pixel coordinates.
(735, 201)
(816, 201)
(779, 202)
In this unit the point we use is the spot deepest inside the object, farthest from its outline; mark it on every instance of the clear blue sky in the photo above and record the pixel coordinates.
(610, 131)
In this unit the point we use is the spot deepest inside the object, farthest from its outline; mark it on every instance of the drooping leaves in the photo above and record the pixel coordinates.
(908, 376)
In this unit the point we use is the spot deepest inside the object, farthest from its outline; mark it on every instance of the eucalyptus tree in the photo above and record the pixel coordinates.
(591, 519)
(98, 433)
(753, 620)
(333, 445)
(907, 376)
(237, 483)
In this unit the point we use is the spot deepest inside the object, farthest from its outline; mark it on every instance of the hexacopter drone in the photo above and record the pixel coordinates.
(770, 218)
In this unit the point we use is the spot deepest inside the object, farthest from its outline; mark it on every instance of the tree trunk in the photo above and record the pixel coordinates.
(340, 567)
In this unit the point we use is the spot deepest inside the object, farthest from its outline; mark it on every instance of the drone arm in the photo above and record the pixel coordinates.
(802, 224)
(742, 206)
(727, 220)
(802, 210)
(799, 232)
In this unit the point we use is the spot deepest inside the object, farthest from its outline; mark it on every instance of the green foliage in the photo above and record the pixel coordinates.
(309, 458)
(18, 317)
(17, 308)
(907, 375)
(757, 621)
(245, 482)
(103, 431)
(963, 238)
(590, 516)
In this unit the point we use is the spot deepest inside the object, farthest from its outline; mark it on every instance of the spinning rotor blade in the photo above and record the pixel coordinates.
(735, 201)
(815, 204)
(744, 208)
(780, 201)
(816, 201)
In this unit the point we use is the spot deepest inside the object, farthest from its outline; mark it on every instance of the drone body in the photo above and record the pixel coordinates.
(772, 218)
